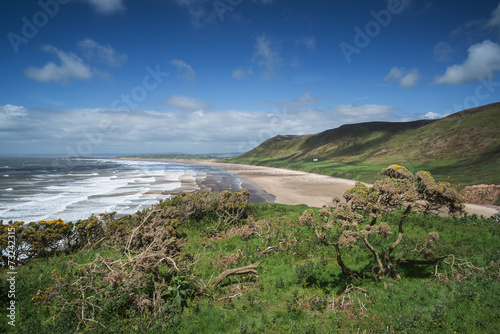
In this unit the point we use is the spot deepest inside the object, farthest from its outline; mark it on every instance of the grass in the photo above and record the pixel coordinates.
(299, 289)
(456, 172)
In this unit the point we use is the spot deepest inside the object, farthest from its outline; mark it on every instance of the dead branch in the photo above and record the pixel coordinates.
(171, 260)
(351, 287)
(267, 250)
(462, 269)
(239, 294)
(250, 269)
(137, 228)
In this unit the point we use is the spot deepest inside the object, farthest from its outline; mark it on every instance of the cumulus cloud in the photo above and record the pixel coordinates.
(410, 79)
(241, 73)
(10, 110)
(186, 103)
(483, 60)
(432, 115)
(71, 67)
(100, 53)
(405, 78)
(267, 56)
(107, 7)
(185, 71)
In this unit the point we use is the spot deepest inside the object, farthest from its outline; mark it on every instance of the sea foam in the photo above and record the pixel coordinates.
(126, 187)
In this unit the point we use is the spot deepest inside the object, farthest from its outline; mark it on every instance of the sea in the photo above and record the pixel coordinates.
(41, 188)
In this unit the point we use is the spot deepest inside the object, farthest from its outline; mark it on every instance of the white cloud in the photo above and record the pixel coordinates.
(267, 56)
(410, 79)
(405, 78)
(197, 131)
(186, 103)
(186, 72)
(432, 115)
(494, 21)
(483, 59)
(71, 67)
(241, 73)
(394, 75)
(13, 111)
(106, 7)
(102, 54)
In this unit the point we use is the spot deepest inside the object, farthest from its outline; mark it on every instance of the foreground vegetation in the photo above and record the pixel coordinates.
(211, 263)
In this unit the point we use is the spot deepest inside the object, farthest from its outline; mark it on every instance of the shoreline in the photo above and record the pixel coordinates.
(295, 187)
(286, 186)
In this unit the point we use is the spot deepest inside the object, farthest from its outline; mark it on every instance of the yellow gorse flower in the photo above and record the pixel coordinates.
(398, 167)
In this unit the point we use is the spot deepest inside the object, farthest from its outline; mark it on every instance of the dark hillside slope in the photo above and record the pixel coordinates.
(463, 148)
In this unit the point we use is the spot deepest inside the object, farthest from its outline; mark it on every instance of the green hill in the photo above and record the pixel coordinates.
(462, 148)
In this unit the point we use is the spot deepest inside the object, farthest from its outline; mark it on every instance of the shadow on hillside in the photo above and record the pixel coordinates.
(349, 138)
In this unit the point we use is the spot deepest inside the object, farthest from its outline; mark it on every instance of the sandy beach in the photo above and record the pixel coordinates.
(296, 187)
(289, 186)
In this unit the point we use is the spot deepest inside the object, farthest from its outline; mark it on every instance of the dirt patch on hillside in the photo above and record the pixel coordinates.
(484, 194)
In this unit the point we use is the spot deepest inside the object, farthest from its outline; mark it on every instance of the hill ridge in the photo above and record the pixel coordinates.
(462, 148)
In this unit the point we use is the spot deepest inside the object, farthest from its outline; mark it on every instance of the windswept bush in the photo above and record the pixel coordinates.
(87, 232)
(397, 189)
(223, 209)
(46, 237)
(26, 241)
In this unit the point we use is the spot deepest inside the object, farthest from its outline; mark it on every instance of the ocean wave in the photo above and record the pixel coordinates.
(124, 186)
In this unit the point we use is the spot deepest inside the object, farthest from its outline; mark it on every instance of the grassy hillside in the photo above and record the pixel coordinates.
(463, 148)
(156, 271)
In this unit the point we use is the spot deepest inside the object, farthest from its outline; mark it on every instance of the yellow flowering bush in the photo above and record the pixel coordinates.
(88, 231)
(47, 236)
(11, 241)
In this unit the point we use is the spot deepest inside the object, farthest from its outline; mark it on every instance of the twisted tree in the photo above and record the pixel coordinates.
(397, 189)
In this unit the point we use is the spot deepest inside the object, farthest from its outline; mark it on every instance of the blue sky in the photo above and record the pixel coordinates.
(84, 77)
